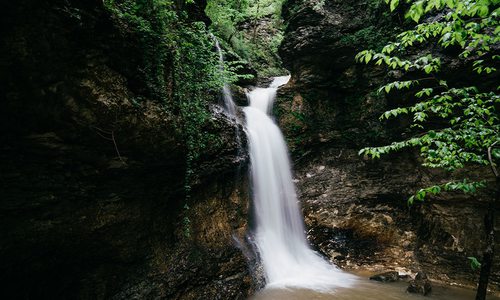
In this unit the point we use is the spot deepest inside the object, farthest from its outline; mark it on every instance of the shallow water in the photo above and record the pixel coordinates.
(369, 290)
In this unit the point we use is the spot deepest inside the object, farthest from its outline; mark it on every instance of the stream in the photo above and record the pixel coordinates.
(370, 290)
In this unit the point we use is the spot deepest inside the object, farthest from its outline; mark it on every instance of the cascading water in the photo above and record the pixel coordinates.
(226, 91)
(229, 104)
(279, 234)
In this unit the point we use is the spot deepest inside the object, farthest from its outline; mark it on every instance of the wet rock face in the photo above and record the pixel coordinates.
(315, 29)
(356, 215)
(330, 98)
(353, 216)
(355, 209)
(92, 180)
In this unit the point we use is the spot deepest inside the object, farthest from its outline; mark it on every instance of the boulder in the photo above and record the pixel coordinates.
(391, 276)
(420, 285)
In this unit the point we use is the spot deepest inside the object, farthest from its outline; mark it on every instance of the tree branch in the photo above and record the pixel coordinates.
(116, 146)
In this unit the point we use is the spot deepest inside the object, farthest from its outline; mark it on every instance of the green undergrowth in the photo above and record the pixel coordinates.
(179, 67)
(251, 31)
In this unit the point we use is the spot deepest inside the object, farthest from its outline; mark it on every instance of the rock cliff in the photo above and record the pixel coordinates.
(356, 209)
(92, 179)
(92, 167)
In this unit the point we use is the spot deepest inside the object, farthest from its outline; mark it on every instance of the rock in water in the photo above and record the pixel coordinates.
(390, 276)
(420, 285)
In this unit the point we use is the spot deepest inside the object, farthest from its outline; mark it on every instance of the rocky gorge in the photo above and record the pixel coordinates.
(92, 180)
(92, 168)
(356, 208)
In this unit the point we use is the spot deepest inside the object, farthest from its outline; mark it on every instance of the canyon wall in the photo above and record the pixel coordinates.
(356, 208)
(92, 181)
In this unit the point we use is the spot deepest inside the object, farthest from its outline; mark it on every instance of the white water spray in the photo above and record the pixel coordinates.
(226, 91)
(279, 234)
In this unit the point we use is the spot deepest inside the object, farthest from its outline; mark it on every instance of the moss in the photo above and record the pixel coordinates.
(378, 33)
(370, 37)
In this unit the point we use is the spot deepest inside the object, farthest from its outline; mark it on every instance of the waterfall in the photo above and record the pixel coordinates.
(279, 234)
(226, 91)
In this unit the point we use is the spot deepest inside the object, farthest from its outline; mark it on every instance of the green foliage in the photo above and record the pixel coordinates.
(180, 68)
(261, 8)
(454, 125)
(225, 15)
(150, 21)
(235, 23)
(319, 5)
(464, 186)
(474, 263)
(196, 71)
(373, 36)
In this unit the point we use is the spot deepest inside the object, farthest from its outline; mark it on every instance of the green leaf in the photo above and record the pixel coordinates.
(452, 126)
(474, 263)
(483, 11)
(411, 200)
(394, 4)
(368, 57)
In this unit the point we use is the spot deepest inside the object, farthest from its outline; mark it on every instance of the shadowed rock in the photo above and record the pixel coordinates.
(390, 276)
(420, 285)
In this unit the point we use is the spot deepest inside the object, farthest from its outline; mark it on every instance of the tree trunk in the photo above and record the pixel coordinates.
(489, 222)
